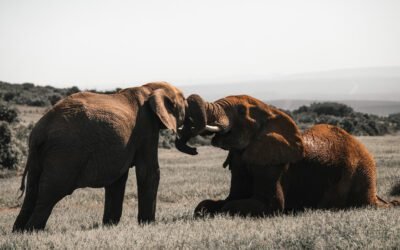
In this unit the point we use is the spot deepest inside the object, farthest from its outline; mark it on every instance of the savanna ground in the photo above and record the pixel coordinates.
(76, 221)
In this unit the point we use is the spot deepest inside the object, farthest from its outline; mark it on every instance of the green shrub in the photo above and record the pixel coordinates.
(9, 155)
(72, 90)
(395, 118)
(9, 96)
(331, 108)
(345, 117)
(53, 99)
(8, 114)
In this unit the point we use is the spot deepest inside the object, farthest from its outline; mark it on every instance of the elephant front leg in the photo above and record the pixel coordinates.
(114, 200)
(148, 178)
(240, 188)
(268, 188)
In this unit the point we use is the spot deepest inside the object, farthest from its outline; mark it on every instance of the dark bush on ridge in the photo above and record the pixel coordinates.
(341, 115)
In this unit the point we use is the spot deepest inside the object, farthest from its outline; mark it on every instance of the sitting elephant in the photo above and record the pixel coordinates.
(91, 140)
(274, 166)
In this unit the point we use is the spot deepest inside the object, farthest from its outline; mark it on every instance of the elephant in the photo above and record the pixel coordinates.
(275, 167)
(91, 140)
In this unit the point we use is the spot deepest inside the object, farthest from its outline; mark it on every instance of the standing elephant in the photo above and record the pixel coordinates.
(91, 140)
(274, 166)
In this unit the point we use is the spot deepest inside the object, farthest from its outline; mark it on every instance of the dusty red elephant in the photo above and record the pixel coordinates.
(274, 166)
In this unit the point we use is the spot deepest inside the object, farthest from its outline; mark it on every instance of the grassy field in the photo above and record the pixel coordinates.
(76, 221)
(29, 114)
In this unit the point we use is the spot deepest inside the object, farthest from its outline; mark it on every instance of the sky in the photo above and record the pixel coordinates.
(107, 44)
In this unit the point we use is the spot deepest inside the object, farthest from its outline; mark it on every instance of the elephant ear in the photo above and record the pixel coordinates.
(279, 141)
(163, 107)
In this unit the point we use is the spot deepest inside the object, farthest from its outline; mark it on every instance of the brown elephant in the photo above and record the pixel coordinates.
(91, 140)
(275, 167)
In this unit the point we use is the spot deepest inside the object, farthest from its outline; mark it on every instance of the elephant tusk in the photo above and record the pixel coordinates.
(213, 128)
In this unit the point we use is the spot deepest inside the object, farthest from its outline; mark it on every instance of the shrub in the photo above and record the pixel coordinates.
(9, 155)
(395, 118)
(72, 90)
(53, 99)
(8, 114)
(330, 108)
(28, 86)
(343, 116)
(9, 96)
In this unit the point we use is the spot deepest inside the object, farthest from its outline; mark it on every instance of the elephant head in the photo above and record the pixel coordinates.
(168, 103)
(246, 124)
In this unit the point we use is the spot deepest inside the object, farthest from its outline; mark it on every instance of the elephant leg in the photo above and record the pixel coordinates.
(114, 199)
(209, 208)
(362, 190)
(241, 187)
(241, 179)
(147, 193)
(268, 188)
(57, 180)
(245, 207)
(336, 196)
(28, 205)
(148, 178)
(47, 198)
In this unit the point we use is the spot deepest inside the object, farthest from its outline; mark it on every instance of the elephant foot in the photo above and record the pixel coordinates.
(144, 220)
(110, 222)
(208, 208)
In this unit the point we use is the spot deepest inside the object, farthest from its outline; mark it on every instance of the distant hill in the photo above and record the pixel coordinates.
(368, 90)
(382, 108)
(348, 84)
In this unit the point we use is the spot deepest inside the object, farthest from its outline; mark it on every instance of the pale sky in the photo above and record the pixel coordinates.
(106, 44)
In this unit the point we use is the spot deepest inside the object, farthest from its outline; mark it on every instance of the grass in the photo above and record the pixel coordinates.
(76, 221)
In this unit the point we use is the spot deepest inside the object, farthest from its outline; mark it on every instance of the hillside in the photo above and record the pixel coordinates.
(381, 108)
(369, 90)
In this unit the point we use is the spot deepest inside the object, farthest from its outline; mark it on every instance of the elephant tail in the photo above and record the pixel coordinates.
(384, 203)
(31, 164)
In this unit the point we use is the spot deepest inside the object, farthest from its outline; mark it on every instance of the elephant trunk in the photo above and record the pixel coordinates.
(195, 121)
(200, 116)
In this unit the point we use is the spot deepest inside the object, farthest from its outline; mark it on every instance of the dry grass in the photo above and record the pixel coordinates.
(76, 221)
(29, 114)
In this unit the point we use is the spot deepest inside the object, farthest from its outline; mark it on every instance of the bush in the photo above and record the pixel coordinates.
(8, 114)
(9, 96)
(9, 155)
(28, 86)
(72, 90)
(345, 117)
(395, 118)
(37, 102)
(53, 99)
(331, 108)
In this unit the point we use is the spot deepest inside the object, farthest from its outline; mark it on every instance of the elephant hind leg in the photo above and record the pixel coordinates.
(48, 197)
(337, 195)
(114, 199)
(363, 191)
(29, 203)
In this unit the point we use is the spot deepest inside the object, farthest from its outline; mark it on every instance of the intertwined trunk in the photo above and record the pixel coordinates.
(200, 116)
